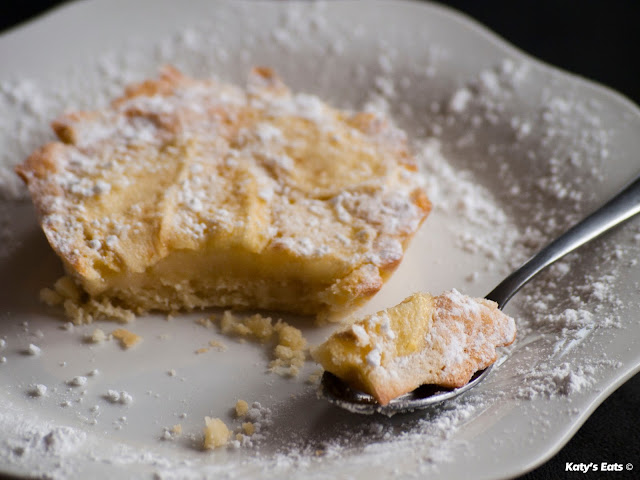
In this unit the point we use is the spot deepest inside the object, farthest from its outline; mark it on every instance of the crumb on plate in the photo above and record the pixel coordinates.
(127, 339)
(216, 433)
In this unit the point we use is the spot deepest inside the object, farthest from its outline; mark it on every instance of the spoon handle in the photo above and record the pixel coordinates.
(620, 208)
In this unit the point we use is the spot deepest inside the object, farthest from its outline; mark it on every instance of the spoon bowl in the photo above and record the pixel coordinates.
(340, 394)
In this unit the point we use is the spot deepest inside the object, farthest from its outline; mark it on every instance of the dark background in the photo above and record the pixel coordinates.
(597, 40)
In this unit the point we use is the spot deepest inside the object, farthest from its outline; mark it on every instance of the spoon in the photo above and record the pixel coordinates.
(621, 207)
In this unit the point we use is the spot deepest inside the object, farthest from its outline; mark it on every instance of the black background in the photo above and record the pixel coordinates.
(597, 40)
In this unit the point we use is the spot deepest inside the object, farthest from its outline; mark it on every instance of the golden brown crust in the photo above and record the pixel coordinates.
(40, 164)
(303, 207)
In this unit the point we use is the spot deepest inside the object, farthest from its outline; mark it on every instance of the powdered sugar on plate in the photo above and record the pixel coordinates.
(511, 155)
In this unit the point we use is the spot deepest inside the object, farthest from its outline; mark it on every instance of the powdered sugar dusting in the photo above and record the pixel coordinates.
(554, 379)
(123, 398)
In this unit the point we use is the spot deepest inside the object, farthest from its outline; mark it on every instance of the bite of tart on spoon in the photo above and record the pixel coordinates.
(425, 340)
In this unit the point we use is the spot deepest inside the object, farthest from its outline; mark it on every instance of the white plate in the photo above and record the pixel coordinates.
(524, 125)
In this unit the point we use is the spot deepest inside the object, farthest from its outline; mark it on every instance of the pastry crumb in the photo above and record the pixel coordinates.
(290, 348)
(127, 339)
(232, 325)
(290, 352)
(68, 326)
(248, 428)
(207, 322)
(50, 297)
(202, 350)
(97, 336)
(92, 310)
(216, 433)
(242, 407)
(221, 347)
(260, 327)
(172, 433)
(315, 377)
(67, 289)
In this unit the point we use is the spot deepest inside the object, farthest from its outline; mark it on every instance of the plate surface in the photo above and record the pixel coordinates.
(512, 151)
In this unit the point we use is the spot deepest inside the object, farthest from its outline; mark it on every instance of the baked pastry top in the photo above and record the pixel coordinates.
(188, 193)
(424, 340)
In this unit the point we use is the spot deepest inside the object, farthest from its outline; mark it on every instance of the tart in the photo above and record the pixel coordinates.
(188, 193)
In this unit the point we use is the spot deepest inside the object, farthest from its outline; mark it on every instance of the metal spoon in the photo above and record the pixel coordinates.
(620, 208)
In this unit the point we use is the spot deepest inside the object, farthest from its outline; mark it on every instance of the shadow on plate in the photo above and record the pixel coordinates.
(29, 267)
